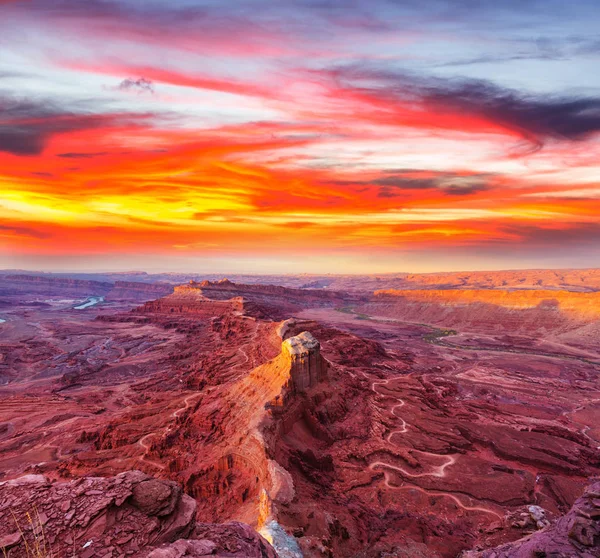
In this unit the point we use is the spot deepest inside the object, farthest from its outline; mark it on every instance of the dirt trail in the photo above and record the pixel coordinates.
(439, 471)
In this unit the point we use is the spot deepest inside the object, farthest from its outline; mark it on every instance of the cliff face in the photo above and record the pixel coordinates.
(189, 300)
(307, 366)
(273, 301)
(580, 305)
(242, 422)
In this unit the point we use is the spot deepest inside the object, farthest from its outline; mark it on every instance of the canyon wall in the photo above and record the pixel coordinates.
(49, 286)
(582, 305)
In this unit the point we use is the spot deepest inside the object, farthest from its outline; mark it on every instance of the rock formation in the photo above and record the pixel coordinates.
(272, 301)
(307, 366)
(576, 534)
(582, 305)
(187, 299)
(131, 514)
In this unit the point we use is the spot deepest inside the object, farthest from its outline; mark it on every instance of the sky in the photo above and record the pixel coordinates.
(325, 136)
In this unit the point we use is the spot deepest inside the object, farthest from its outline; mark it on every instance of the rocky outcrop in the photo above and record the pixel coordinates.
(274, 301)
(189, 300)
(577, 534)
(131, 514)
(227, 540)
(307, 366)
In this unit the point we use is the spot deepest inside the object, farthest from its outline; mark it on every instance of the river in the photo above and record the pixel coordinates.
(91, 301)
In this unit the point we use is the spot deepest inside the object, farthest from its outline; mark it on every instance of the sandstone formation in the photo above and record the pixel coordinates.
(583, 305)
(273, 301)
(129, 514)
(189, 300)
(577, 534)
(307, 366)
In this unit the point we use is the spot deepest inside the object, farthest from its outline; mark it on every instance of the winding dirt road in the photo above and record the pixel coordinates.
(439, 471)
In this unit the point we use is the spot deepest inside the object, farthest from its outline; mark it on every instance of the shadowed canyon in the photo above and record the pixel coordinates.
(432, 415)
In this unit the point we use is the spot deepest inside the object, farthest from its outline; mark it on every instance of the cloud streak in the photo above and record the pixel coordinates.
(26, 126)
(475, 106)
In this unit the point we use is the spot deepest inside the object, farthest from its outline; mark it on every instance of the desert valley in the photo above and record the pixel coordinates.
(431, 415)
(299, 279)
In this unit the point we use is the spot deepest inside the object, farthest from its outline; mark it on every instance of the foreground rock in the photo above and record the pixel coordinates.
(131, 514)
(575, 534)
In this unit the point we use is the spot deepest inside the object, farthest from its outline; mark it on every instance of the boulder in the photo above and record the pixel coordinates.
(576, 534)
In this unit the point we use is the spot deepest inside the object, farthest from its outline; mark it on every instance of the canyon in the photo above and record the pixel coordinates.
(414, 416)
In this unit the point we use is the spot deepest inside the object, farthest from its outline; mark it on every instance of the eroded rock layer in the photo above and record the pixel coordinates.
(131, 514)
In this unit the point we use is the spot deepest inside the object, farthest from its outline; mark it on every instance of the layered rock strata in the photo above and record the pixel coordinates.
(131, 514)
(307, 366)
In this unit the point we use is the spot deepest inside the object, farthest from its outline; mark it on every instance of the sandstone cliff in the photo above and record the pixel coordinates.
(186, 299)
(582, 305)
(307, 366)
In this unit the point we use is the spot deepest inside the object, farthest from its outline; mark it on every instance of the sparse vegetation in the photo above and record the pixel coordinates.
(350, 310)
(433, 336)
(36, 544)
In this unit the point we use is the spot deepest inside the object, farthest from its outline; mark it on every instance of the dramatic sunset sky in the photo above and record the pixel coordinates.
(299, 135)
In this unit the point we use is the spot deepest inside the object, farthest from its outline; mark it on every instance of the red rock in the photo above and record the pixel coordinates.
(9, 540)
(574, 535)
(386, 437)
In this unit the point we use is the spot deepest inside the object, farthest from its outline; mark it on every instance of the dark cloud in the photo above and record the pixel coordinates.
(394, 182)
(536, 118)
(139, 85)
(501, 59)
(406, 183)
(386, 192)
(27, 125)
(466, 189)
(569, 235)
(78, 155)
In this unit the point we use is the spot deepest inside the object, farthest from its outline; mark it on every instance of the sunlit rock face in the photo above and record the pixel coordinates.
(308, 367)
